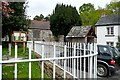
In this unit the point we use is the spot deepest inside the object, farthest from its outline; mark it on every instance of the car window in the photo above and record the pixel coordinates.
(103, 50)
(115, 52)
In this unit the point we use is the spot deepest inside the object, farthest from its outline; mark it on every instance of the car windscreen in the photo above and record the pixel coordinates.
(103, 50)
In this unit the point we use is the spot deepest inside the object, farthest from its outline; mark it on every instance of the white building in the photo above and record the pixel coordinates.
(108, 29)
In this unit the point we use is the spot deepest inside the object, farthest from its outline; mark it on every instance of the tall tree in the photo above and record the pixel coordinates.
(16, 20)
(85, 13)
(63, 18)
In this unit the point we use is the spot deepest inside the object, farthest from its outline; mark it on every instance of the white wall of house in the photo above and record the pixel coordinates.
(102, 35)
(119, 30)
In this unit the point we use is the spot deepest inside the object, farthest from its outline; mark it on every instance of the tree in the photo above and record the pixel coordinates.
(114, 6)
(86, 7)
(36, 17)
(63, 18)
(5, 8)
(41, 17)
(89, 15)
(16, 21)
(85, 13)
(47, 18)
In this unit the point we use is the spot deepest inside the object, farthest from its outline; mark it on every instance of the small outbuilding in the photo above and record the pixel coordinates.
(81, 34)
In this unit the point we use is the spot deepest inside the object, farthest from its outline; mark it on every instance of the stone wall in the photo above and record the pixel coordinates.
(48, 68)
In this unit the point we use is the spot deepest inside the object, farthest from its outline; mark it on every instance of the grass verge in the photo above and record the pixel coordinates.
(23, 67)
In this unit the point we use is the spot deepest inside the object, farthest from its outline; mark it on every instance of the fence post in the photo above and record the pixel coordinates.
(0, 61)
(29, 62)
(95, 61)
(80, 61)
(54, 62)
(91, 62)
(65, 61)
(42, 62)
(88, 59)
(74, 61)
(84, 61)
(15, 59)
(68, 55)
(77, 59)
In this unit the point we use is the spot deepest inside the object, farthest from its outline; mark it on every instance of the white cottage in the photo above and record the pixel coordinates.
(108, 29)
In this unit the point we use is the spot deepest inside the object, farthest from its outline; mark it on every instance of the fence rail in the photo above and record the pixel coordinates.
(76, 59)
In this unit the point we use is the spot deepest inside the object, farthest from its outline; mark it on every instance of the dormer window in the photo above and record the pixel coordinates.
(110, 30)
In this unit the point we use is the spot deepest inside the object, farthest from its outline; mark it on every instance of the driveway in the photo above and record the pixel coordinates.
(115, 76)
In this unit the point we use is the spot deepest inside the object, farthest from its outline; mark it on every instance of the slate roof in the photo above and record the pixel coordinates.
(112, 19)
(39, 25)
(79, 31)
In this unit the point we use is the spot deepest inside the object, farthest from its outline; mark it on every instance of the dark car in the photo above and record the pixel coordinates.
(118, 49)
(108, 60)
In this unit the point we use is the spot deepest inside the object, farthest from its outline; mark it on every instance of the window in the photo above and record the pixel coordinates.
(115, 51)
(110, 43)
(103, 50)
(110, 30)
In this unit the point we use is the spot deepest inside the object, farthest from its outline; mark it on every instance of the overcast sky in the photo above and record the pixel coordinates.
(45, 7)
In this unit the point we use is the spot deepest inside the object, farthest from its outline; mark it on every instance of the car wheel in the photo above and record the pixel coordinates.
(102, 70)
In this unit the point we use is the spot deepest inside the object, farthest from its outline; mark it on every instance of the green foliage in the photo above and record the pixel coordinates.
(86, 8)
(41, 17)
(47, 18)
(16, 21)
(63, 18)
(114, 6)
(118, 43)
(36, 17)
(89, 15)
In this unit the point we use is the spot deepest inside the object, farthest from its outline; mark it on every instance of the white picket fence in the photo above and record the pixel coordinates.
(76, 59)
(72, 58)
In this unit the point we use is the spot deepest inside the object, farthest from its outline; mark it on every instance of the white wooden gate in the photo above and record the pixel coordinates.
(76, 59)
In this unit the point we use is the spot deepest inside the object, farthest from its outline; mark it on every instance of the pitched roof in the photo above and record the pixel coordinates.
(112, 19)
(39, 24)
(79, 31)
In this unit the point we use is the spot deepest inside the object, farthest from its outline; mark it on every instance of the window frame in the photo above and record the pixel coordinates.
(110, 43)
(110, 30)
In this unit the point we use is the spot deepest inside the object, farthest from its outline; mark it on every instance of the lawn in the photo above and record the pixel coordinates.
(23, 68)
